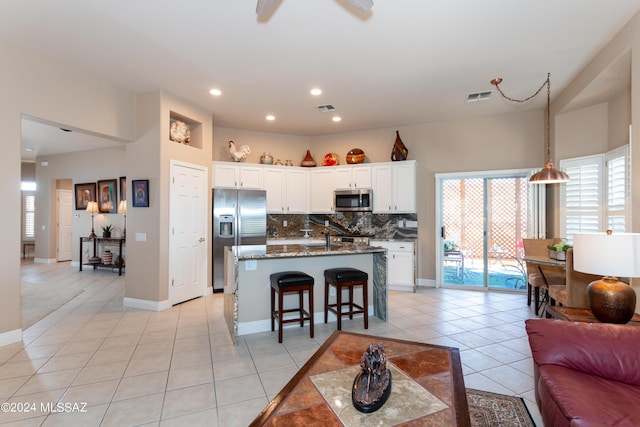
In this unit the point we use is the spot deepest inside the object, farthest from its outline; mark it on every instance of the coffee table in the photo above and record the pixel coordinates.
(427, 389)
(579, 315)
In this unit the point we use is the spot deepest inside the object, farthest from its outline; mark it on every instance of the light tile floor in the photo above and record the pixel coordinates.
(179, 367)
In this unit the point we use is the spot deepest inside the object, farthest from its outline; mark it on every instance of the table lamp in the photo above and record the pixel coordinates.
(122, 208)
(93, 208)
(612, 255)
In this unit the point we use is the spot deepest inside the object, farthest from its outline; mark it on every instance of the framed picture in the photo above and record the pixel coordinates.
(108, 195)
(123, 188)
(140, 194)
(85, 193)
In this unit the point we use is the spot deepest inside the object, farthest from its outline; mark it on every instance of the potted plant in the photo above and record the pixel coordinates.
(106, 230)
(450, 245)
(558, 251)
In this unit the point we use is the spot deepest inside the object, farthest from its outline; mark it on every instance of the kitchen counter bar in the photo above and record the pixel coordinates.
(247, 286)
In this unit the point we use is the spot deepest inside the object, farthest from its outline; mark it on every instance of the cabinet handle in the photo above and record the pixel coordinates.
(201, 239)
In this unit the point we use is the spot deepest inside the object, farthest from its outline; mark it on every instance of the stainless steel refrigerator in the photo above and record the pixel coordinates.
(239, 219)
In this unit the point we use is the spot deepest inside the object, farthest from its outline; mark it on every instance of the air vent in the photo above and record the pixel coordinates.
(326, 108)
(479, 96)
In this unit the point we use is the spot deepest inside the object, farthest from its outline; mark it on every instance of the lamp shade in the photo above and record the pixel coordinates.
(549, 175)
(615, 254)
(92, 207)
(122, 207)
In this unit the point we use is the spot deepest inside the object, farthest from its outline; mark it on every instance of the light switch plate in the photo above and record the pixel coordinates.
(141, 237)
(251, 264)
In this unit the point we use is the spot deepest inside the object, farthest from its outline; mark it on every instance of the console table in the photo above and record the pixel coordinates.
(427, 387)
(579, 315)
(102, 241)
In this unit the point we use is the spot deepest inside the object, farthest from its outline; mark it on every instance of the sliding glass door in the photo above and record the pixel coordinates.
(483, 220)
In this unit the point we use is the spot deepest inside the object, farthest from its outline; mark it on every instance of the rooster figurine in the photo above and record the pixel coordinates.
(238, 154)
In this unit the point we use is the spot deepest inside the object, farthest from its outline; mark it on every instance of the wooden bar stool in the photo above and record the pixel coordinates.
(346, 277)
(285, 282)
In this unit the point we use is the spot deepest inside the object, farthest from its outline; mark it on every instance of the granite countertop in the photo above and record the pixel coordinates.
(310, 250)
(391, 239)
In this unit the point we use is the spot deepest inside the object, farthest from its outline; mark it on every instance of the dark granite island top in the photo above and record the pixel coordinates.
(247, 286)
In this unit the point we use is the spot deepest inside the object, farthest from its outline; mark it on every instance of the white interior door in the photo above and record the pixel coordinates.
(65, 226)
(188, 231)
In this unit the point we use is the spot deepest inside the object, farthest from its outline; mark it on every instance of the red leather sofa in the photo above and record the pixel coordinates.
(586, 374)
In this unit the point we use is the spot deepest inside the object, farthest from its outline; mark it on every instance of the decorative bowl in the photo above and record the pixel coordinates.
(355, 155)
(330, 159)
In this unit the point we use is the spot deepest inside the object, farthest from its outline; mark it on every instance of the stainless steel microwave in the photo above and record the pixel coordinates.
(353, 200)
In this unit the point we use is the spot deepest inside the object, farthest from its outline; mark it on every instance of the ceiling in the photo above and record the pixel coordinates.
(403, 62)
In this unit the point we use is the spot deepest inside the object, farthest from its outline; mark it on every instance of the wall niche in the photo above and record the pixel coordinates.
(185, 130)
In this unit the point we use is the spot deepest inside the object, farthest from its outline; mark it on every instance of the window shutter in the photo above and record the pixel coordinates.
(582, 195)
(618, 179)
(29, 216)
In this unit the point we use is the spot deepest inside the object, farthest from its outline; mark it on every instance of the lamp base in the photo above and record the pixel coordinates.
(611, 301)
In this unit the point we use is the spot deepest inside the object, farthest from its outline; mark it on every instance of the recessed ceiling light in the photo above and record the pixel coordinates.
(270, 117)
(29, 149)
(215, 92)
(336, 118)
(316, 92)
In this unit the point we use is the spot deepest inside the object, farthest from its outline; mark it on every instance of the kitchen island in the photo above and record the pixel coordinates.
(247, 285)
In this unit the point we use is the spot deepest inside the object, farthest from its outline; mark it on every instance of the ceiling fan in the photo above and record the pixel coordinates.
(264, 7)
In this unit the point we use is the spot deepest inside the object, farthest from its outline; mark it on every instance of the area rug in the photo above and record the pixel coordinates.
(497, 410)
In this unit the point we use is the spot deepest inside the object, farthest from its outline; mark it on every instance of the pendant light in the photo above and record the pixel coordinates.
(548, 174)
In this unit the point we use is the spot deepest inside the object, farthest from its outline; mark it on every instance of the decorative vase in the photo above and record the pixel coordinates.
(107, 257)
(119, 261)
(355, 156)
(399, 151)
(611, 301)
(266, 158)
(308, 161)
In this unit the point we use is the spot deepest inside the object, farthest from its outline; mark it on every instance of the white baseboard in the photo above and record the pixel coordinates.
(11, 337)
(400, 288)
(208, 291)
(430, 283)
(45, 260)
(146, 304)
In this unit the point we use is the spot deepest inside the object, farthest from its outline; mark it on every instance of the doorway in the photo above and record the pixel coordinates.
(64, 222)
(482, 218)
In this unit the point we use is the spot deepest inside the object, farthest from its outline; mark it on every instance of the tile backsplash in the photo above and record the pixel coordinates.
(381, 226)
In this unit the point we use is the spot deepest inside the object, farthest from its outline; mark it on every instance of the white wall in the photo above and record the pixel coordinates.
(46, 89)
(80, 167)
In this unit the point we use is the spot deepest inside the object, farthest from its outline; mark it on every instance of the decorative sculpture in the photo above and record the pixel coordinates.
(399, 151)
(372, 385)
(179, 132)
(238, 154)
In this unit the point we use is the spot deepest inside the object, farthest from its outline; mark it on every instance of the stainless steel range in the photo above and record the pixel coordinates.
(351, 240)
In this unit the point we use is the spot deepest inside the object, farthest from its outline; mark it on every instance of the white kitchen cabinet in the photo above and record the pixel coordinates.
(287, 189)
(401, 274)
(351, 177)
(321, 194)
(394, 187)
(229, 175)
